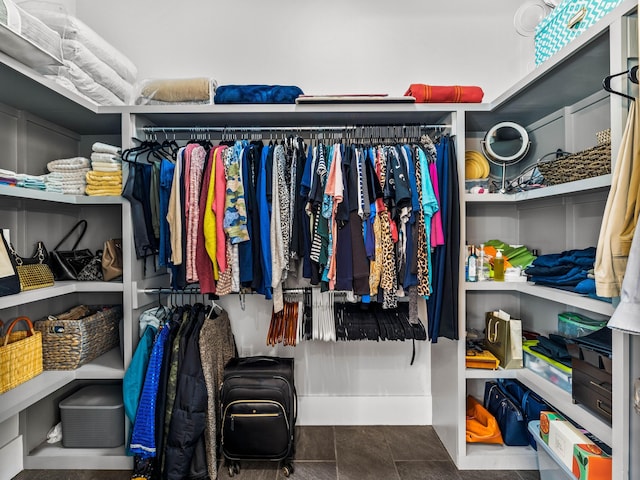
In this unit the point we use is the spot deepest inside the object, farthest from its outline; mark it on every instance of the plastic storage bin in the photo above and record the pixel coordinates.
(573, 325)
(549, 465)
(555, 373)
(93, 417)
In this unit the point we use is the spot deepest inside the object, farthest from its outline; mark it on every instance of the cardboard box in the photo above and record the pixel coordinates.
(545, 420)
(591, 463)
(562, 437)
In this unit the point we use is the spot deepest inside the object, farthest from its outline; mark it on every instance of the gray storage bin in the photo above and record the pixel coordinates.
(93, 417)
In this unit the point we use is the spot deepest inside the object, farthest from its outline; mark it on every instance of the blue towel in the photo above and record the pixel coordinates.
(256, 94)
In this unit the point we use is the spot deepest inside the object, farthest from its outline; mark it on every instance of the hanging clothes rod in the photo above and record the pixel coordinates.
(150, 129)
(196, 291)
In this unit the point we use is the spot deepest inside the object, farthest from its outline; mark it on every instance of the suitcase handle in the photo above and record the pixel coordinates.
(259, 359)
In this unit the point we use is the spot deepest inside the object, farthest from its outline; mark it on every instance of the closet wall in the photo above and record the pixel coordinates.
(333, 46)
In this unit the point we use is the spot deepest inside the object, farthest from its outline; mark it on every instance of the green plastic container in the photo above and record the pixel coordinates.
(573, 325)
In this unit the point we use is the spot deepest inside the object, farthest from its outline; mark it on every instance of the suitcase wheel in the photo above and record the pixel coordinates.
(287, 469)
(233, 468)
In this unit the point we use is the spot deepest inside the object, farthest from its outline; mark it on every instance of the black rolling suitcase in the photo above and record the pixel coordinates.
(258, 402)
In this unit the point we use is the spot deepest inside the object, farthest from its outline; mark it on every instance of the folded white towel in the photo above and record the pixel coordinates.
(106, 167)
(105, 157)
(100, 147)
(68, 164)
(7, 173)
(54, 188)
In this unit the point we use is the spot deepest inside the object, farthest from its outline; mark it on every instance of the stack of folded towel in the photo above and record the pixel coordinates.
(105, 176)
(12, 179)
(67, 175)
(34, 182)
(8, 177)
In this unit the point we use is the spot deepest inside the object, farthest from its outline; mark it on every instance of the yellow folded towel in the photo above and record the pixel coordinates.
(102, 191)
(100, 178)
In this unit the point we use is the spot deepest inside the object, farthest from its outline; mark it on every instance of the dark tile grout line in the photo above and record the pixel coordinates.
(335, 451)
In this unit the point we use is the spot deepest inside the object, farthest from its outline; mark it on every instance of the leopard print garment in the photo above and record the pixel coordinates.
(424, 288)
(388, 280)
(223, 287)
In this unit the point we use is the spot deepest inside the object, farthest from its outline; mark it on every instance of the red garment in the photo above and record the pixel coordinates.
(444, 94)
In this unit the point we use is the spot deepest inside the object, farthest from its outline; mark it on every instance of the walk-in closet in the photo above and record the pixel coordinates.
(192, 189)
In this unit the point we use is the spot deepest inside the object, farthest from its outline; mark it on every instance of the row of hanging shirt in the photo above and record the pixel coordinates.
(246, 214)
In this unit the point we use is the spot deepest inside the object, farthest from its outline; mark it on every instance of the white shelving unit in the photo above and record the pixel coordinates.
(566, 79)
(550, 219)
(37, 111)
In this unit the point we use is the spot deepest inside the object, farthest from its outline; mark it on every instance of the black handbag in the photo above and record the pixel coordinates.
(9, 281)
(76, 264)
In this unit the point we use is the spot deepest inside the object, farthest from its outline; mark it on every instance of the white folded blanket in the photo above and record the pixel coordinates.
(106, 167)
(105, 157)
(68, 164)
(100, 147)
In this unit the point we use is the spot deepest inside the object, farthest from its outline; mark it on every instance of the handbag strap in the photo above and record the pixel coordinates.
(84, 229)
(27, 320)
(16, 257)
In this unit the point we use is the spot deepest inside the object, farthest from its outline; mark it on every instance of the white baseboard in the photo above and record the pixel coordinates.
(361, 410)
(11, 459)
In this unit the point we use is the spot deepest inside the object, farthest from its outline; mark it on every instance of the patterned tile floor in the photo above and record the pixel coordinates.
(341, 453)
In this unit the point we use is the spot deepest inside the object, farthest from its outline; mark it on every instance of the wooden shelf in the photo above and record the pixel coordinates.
(586, 185)
(106, 367)
(562, 401)
(55, 457)
(499, 457)
(573, 73)
(30, 194)
(28, 393)
(25, 89)
(260, 115)
(548, 293)
(59, 289)
(484, 374)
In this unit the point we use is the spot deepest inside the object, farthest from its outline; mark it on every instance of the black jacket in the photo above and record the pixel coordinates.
(185, 456)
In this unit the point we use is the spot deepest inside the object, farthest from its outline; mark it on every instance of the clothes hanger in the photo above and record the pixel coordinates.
(632, 74)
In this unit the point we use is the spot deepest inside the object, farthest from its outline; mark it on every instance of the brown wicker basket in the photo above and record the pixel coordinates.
(68, 343)
(592, 162)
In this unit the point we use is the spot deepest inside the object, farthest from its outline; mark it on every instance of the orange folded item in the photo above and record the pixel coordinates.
(444, 94)
(484, 359)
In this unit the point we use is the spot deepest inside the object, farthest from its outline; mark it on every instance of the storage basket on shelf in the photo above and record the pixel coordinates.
(588, 163)
(76, 337)
(20, 355)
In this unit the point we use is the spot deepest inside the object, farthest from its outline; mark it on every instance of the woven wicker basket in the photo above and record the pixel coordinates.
(20, 355)
(68, 343)
(592, 162)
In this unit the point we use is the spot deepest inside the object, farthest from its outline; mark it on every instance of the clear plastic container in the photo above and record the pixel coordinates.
(573, 325)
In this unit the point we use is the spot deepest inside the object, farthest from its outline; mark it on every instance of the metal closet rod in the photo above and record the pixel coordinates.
(196, 291)
(278, 129)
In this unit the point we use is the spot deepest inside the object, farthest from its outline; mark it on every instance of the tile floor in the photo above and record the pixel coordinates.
(341, 453)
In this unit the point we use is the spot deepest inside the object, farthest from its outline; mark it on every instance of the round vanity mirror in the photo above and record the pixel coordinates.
(504, 144)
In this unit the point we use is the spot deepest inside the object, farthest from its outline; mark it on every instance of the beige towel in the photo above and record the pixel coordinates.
(178, 90)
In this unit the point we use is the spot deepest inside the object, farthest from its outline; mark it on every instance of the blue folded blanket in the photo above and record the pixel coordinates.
(256, 94)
